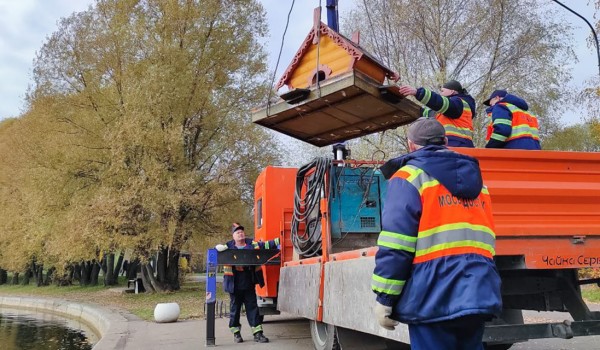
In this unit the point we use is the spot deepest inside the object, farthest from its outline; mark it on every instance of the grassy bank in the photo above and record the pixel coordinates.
(190, 297)
(591, 293)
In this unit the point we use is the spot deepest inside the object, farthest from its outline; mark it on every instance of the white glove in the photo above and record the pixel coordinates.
(221, 247)
(382, 313)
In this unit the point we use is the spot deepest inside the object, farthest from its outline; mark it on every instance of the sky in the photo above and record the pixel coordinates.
(25, 25)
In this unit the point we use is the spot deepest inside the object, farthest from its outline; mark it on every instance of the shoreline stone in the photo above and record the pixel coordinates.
(111, 327)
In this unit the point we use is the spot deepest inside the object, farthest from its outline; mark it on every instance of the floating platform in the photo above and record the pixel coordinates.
(339, 109)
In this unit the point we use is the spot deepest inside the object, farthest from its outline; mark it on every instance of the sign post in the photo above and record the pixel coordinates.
(211, 295)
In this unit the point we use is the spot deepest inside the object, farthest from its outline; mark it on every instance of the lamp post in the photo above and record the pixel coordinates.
(591, 27)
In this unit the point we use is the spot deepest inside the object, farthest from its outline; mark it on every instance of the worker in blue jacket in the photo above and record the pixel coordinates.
(511, 125)
(240, 282)
(453, 107)
(434, 269)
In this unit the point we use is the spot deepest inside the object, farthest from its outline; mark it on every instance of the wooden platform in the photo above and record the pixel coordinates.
(342, 108)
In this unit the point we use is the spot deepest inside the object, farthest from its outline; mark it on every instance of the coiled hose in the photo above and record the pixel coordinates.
(306, 209)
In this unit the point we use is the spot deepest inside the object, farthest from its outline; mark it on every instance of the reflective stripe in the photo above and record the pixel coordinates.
(465, 229)
(419, 178)
(466, 106)
(397, 241)
(460, 127)
(255, 245)
(227, 270)
(523, 123)
(387, 286)
(426, 96)
(498, 137)
(445, 104)
(452, 251)
(455, 226)
(503, 121)
(275, 243)
(428, 243)
(511, 107)
(457, 244)
(524, 130)
(235, 329)
(453, 130)
(413, 172)
(257, 329)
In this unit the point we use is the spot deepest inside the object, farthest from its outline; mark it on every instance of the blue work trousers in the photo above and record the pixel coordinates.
(248, 299)
(446, 336)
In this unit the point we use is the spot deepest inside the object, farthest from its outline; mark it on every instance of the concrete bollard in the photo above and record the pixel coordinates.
(166, 312)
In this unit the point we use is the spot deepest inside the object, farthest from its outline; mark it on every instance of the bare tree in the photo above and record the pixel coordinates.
(518, 45)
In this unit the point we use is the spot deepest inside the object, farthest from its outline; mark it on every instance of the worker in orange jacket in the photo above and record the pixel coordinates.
(434, 269)
(453, 107)
(511, 126)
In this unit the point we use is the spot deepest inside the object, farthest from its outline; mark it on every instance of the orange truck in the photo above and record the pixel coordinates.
(327, 213)
(546, 207)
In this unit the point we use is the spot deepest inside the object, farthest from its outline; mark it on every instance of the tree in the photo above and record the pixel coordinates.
(519, 45)
(590, 96)
(18, 242)
(579, 137)
(141, 110)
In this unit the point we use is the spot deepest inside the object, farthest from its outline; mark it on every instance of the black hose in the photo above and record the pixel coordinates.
(306, 209)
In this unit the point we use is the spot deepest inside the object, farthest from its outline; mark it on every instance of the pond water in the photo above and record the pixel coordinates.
(25, 330)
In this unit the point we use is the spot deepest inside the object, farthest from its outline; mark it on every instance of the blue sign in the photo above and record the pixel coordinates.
(211, 276)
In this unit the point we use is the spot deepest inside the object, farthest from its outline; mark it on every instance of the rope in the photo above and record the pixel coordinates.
(380, 51)
(287, 23)
(318, 52)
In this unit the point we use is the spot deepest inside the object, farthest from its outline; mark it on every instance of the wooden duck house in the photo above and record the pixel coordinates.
(335, 92)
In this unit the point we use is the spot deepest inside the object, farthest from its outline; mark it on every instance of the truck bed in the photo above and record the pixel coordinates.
(546, 205)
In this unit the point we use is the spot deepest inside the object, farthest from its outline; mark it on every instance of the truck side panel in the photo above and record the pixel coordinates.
(300, 290)
(350, 301)
(542, 193)
(545, 205)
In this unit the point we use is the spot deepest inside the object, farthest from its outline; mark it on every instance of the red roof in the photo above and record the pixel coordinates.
(352, 48)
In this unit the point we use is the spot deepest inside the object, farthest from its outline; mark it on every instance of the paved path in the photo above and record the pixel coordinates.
(126, 331)
(284, 333)
(294, 334)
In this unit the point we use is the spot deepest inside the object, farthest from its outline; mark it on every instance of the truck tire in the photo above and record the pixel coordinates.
(395, 345)
(324, 336)
(498, 346)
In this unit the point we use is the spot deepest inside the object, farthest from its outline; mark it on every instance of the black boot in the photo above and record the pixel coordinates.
(260, 337)
(237, 337)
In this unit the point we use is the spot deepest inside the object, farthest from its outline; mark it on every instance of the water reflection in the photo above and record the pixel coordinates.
(25, 330)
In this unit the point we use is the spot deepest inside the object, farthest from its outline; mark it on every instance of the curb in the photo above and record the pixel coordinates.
(111, 326)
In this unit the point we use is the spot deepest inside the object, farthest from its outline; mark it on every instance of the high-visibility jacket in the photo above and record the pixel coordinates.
(460, 127)
(455, 113)
(257, 276)
(512, 126)
(435, 258)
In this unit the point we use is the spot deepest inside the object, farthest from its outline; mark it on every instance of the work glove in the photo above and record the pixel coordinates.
(221, 247)
(383, 314)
